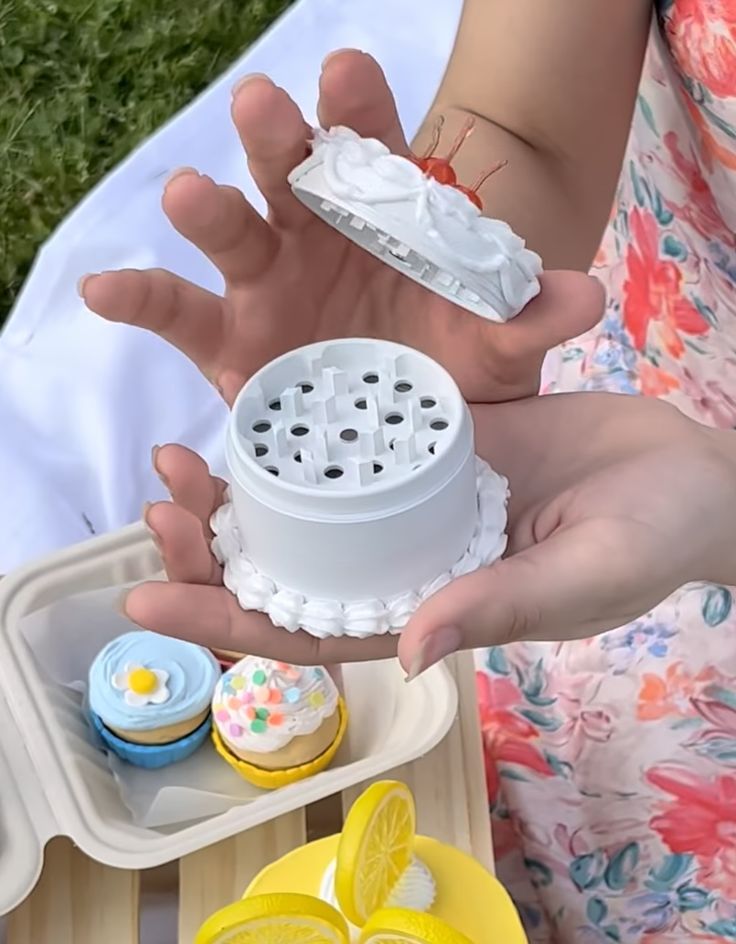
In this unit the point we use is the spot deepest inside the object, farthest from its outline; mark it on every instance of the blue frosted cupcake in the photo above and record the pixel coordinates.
(149, 697)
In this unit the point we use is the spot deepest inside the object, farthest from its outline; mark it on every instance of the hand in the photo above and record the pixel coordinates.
(290, 279)
(616, 502)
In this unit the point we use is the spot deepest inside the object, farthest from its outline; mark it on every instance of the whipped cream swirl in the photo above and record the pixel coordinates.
(363, 171)
(415, 889)
(323, 618)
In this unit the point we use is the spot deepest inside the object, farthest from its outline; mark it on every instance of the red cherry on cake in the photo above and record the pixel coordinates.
(439, 169)
(471, 194)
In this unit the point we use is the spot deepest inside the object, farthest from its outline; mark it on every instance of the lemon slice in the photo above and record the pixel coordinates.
(399, 926)
(275, 919)
(376, 846)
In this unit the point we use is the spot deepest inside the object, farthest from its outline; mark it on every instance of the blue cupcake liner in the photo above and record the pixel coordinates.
(151, 756)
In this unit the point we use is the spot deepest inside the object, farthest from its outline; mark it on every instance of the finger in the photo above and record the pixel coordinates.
(568, 305)
(212, 617)
(221, 223)
(190, 484)
(182, 544)
(183, 314)
(275, 137)
(353, 92)
(581, 581)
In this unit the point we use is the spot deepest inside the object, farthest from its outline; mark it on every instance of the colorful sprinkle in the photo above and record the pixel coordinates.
(293, 673)
(262, 695)
(319, 673)
(293, 695)
(233, 703)
(222, 715)
(282, 666)
(316, 699)
(276, 719)
(275, 696)
(261, 714)
(247, 698)
(235, 730)
(250, 713)
(238, 682)
(258, 726)
(259, 677)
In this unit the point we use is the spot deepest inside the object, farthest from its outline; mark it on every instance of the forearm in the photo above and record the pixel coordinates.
(552, 88)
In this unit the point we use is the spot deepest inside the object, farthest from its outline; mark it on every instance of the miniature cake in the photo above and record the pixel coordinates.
(149, 697)
(400, 210)
(277, 723)
(354, 491)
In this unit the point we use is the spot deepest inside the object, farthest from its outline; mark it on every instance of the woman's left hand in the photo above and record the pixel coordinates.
(616, 502)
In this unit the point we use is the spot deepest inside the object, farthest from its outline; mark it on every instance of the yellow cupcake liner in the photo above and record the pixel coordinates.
(273, 779)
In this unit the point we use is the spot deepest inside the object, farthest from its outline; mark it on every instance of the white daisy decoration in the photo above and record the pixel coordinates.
(142, 686)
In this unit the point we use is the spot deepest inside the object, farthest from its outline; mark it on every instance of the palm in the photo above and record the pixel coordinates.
(291, 279)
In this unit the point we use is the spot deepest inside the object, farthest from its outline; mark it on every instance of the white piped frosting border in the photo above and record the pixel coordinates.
(324, 618)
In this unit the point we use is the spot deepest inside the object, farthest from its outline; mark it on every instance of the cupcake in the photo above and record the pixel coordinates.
(277, 723)
(149, 697)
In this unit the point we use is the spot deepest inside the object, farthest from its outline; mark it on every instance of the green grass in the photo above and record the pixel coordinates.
(82, 82)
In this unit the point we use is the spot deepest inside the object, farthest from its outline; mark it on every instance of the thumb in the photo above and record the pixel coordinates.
(568, 305)
(584, 579)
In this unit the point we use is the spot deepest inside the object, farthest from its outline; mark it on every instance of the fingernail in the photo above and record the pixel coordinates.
(154, 462)
(179, 172)
(84, 281)
(247, 79)
(433, 648)
(151, 530)
(338, 52)
(121, 601)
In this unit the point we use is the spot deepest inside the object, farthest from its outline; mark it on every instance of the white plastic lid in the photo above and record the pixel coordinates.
(428, 231)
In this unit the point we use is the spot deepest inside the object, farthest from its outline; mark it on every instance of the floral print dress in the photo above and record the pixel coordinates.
(611, 762)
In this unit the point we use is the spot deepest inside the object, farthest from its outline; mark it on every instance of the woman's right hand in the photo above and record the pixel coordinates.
(290, 279)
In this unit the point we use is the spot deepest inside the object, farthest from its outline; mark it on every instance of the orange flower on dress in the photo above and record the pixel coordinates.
(653, 291)
(671, 694)
(700, 209)
(655, 382)
(703, 35)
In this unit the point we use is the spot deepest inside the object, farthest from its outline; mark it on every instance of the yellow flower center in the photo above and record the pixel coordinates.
(142, 681)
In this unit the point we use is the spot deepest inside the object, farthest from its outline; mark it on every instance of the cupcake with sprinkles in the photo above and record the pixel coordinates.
(150, 697)
(277, 723)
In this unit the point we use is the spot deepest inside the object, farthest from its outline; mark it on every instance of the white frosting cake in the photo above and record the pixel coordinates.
(429, 231)
(354, 490)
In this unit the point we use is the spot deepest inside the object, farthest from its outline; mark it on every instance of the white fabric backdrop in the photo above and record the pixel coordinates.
(83, 401)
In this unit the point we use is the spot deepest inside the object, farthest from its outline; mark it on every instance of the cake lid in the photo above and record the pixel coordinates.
(431, 231)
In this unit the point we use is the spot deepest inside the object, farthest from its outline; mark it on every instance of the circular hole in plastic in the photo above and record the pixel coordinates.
(349, 435)
(299, 430)
(305, 386)
(261, 426)
(392, 444)
(261, 450)
(377, 468)
(393, 419)
(432, 448)
(297, 456)
(333, 472)
(370, 378)
(275, 404)
(272, 469)
(438, 424)
(427, 403)
(361, 403)
(402, 386)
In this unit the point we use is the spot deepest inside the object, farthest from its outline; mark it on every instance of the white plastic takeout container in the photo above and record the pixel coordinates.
(54, 779)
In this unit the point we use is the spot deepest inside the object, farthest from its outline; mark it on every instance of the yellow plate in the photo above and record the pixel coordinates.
(375, 848)
(468, 898)
(275, 919)
(399, 926)
(273, 779)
